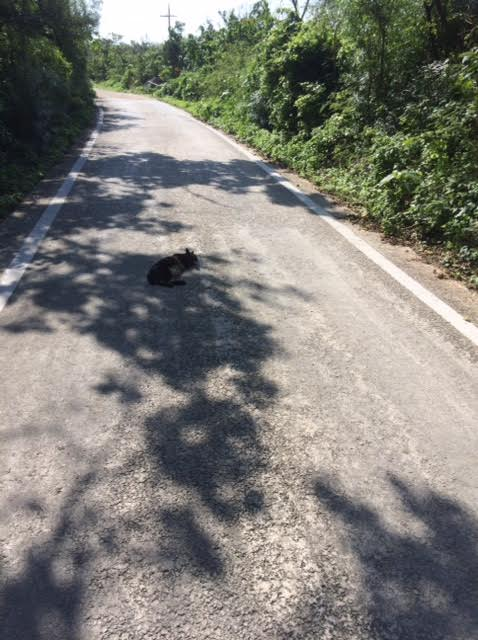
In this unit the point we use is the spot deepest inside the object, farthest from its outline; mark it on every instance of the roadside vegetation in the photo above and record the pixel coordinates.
(375, 101)
(46, 99)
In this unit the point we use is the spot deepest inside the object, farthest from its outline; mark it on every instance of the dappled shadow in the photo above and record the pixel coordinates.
(44, 599)
(421, 585)
(147, 171)
(192, 339)
(236, 176)
(211, 447)
(201, 343)
(118, 120)
(190, 543)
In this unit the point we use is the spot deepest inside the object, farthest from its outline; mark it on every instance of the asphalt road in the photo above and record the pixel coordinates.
(286, 447)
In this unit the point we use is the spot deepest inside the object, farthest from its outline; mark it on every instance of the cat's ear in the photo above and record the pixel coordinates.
(188, 251)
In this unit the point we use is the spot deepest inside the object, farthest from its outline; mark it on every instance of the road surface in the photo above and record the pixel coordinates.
(286, 447)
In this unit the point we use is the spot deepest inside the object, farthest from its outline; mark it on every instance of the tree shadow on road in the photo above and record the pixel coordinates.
(418, 581)
(118, 120)
(44, 599)
(201, 342)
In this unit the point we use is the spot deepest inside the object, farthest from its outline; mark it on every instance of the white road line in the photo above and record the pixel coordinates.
(467, 329)
(13, 274)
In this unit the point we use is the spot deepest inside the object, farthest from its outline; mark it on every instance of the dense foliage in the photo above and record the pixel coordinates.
(45, 93)
(374, 100)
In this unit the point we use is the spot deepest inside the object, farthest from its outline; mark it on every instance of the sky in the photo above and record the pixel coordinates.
(140, 19)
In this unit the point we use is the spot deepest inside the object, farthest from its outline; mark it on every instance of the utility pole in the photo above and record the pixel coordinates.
(168, 15)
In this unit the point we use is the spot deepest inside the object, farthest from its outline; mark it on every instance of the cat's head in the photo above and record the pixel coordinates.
(190, 260)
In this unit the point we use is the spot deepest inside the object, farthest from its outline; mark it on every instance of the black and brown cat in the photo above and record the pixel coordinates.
(168, 271)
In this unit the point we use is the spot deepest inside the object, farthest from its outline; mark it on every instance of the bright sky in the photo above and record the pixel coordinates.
(140, 19)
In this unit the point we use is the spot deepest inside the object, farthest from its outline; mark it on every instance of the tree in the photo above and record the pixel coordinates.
(451, 25)
(300, 13)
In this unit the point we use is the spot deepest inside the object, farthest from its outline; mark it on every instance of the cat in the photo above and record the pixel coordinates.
(167, 271)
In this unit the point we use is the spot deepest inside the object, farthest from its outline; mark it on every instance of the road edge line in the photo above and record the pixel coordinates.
(14, 272)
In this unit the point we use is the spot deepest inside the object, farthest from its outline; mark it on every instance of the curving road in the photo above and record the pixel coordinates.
(284, 448)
